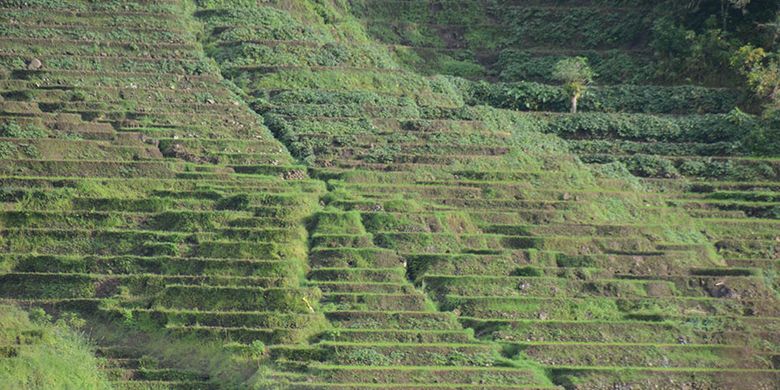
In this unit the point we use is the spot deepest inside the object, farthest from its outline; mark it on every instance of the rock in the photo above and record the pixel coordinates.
(35, 64)
(721, 290)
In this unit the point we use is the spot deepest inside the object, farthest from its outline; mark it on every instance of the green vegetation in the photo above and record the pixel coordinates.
(762, 72)
(38, 353)
(307, 194)
(576, 75)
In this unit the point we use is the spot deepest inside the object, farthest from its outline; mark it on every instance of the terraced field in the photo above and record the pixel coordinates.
(221, 186)
(138, 187)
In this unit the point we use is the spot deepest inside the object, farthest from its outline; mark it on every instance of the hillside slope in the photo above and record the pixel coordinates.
(496, 221)
(341, 212)
(38, 354)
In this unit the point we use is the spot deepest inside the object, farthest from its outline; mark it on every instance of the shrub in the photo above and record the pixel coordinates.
(15, 130)
(651, 166)
(685, 55)
(59, 358)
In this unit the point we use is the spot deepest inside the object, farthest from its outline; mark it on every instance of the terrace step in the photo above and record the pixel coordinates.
(146, 374)
(706, 282)
(210, 298)
(414, 354)
(406, 354)
(161, 265)
(442, 242)
(633, 355)
(400, 336)
(394, 376)
(230, 319)
(599, 146)
(375, 301)
(127, 363)
(679, 331)
(338, 287)
(58, 79)
(92, 47)
(51, 149)
(360, 385)
(87, 285)
(245, 335)
(751, 209)
(389, 275)
(764, 264)
(548, 263)
(602, 308)
(545, 287)
(141, 243)
(167, 185)
(170, 385)
(127, 63)
(605, 377)
(85, 168)
(399, 320)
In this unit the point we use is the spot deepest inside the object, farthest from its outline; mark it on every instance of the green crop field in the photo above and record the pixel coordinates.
(390, 194)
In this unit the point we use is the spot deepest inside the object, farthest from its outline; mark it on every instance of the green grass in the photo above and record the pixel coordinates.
(59, 357)
(414, 179)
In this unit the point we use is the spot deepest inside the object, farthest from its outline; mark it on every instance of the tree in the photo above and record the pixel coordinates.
(762, 71)
(576, 74)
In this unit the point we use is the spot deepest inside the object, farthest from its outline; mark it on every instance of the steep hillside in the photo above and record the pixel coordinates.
(303, 194)
(140, 191)
(495, 221)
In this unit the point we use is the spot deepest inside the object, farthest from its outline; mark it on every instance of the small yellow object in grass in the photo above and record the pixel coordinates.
(306, 301)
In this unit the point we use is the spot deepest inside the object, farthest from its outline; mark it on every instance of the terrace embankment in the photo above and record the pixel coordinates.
(223, 186)
(582, 268)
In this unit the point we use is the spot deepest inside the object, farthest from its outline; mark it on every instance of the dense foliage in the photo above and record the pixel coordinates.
(46, 355)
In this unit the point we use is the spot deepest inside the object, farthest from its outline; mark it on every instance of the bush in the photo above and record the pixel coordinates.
(15, 130)
(684, 55)
(651, 166)
(710, 128)
(59, 358)
(764, 140)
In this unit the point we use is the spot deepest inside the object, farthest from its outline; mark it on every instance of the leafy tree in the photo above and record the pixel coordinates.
(576, 75)
(762, 71)
(685, 55)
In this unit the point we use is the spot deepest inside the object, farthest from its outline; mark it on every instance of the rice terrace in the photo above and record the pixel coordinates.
(389, 194)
